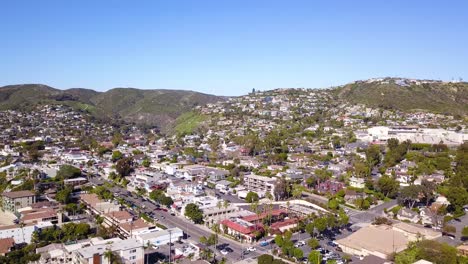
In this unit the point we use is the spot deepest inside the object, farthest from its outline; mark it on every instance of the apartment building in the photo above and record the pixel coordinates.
(12, 201)
(22, 234)
(259, 184)
(129, 251)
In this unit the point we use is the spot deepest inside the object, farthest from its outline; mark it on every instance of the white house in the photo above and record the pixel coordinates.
(357, 182)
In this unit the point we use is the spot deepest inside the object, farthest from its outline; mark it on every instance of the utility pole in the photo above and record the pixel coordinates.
(170, 245)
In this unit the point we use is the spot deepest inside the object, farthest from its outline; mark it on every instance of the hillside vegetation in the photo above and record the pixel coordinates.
(439, 97)
(147, 107)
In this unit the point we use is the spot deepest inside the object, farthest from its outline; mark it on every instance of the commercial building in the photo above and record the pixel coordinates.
(160, 237)
(381, 241)
(12, 201)
(241, 229)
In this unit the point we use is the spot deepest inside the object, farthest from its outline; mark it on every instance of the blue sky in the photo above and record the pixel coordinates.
(229, 47)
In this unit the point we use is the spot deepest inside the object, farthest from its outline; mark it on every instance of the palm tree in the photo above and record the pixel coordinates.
(219, 205)
(226, 204)
(109, 255)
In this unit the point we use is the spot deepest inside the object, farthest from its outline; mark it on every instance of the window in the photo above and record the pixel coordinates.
(132, 257)
(133, 251)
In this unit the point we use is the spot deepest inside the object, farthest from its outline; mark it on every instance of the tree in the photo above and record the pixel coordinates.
(373, 155)
(427, 190)
(313, 243)
(265, 259)
(68, 172)
(279, 241)
(124, 166)
(409, 195)
(116, 155)
(281, 189)
(310, 228)
(315, 257)
(429, 250)
(388, 186)
(382, 221)
(465, 232)
(146, 163)
(112, 257)
(449, 229)
(251, 197)
(458, 197)
(343, 218)
(321, 224)
(333, 204)
(193, 212)
(298, 253)
(63, 196)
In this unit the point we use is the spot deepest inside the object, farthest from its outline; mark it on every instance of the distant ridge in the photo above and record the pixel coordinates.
(408, 95)
(145, 107)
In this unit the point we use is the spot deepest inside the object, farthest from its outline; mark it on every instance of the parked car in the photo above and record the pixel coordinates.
(224, 252)
(332, 244)
(299, 244)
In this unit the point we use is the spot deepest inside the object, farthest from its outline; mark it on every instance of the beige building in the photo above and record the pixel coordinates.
(384, 240)
(260, 184)
(414, 232)
(380, 241)
(12, 201)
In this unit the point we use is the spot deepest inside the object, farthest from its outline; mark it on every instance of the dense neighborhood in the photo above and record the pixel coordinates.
(279, 176)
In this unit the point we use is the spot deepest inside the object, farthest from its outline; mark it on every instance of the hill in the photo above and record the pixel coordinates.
(408, 95)
(147, 107)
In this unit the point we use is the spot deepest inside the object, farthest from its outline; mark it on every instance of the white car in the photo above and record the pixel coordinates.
(224, 252)
(300, 244)
(251, 249)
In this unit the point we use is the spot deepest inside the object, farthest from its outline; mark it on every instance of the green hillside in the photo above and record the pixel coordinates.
(438, 97)
(149, 107)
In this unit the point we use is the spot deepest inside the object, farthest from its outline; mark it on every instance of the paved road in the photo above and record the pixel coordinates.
(366, 217)
(193, 231)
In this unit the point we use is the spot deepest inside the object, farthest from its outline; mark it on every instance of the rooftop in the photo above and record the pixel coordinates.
(382, 239)
(88, 252)
(18, 194)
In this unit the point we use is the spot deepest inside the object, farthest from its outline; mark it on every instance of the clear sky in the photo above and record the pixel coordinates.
(229, 47)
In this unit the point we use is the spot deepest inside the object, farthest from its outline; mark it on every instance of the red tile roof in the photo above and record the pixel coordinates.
(6, 244)
(255, 218)
(284, 223)
(240, 228)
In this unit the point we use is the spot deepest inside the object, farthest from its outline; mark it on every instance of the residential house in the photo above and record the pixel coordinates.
(406, 214)
(356, 182)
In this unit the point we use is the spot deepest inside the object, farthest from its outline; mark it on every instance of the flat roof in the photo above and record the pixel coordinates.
(382, 239)
(160, 233)
(88, 252)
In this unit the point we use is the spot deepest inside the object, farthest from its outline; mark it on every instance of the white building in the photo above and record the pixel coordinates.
(160, 237)
(22, 234)
(129, 251)
(415, 134)
(357, 182)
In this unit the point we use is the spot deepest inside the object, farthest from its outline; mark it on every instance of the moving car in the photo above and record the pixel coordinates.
(252, 249)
